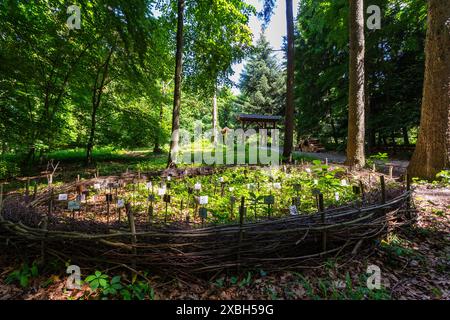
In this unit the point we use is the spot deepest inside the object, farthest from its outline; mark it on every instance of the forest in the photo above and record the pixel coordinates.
(337, 141)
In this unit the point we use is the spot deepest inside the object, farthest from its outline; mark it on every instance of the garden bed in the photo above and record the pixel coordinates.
(280, 218)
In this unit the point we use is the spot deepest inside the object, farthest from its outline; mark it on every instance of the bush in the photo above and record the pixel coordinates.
(8, 169)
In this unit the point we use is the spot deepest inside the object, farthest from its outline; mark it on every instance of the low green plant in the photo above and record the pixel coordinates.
(444, 177)
(379, 157)
(23, 275)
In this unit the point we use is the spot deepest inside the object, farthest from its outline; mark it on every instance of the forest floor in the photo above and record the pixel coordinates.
(414, 264)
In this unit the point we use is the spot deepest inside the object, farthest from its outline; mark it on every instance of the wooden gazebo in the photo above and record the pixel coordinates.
(259, 120)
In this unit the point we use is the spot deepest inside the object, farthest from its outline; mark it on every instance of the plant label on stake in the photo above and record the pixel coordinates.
(203, 200)
(62, 197)
(198, 186)
(293, 210)
(203, 213)
(73, 206)
(161, 191)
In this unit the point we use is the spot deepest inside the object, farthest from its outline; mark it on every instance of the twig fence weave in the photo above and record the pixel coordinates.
(271, 244)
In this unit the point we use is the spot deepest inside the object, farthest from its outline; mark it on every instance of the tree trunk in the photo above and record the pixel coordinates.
(215, 126)
(355, 141)
(177, 89)
(432, 153)
(405, 136)
(289, 116)
(97, 92)
(157, 148)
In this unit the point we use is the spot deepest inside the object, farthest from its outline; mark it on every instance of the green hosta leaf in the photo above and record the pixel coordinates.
(103, 283)
(94, 284)
(90, 278)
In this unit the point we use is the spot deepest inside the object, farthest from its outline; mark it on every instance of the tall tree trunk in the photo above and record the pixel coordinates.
(405, 136)
(289, 116)
(157, 147)
(355, 141)
(97, 92)
(215, 126)
(177, 89)
(432, 153)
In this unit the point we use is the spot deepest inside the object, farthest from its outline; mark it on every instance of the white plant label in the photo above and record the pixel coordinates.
(277, 185)
(169, 178)
(197, 186)
(308, 170)
(97, 186)
(344, 183)
(120, 203)
(161, 191)
(293, 210)
(221, 179)
(336, 196)
(149, 185)
(231, 189)
(62, 197)
(203, 200)
(316, 182)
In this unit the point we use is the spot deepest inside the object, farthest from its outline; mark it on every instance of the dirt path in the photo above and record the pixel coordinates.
(400, 166)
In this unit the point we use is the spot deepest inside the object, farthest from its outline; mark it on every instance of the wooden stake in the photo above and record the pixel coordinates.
(408, 200)
(133, 230)
(241, 231)
(383, 189)
(322, 216)
(391, 169)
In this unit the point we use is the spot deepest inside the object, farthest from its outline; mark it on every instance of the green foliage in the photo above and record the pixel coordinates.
(394, 71)
(115, 288)
(262, 82)
(97, 280)
(444, 176)
(376, 158)
(23, 275)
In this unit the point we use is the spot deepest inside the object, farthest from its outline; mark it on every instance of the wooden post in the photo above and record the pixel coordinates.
(363, 193)
(27, 189)
(374, 167)
(165, 214)
(408, 199)
(50, 204)
(322, 217)
(133, 230)
(241, 231)
(383, 189)
(35, 189)
(391, 169)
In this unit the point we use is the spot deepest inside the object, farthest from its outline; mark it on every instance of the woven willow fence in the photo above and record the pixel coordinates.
(288, 242)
